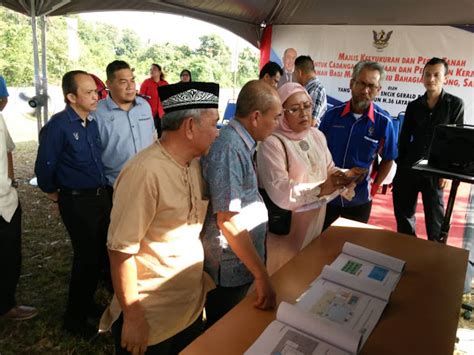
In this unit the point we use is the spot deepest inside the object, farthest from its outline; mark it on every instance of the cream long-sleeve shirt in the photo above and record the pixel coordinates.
(8, 194)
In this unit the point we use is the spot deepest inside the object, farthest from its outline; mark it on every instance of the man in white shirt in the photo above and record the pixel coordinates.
(10, 233)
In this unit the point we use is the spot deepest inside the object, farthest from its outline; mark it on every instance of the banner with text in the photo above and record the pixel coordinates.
(403, 50)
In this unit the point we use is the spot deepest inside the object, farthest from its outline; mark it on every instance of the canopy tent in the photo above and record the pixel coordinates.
(247, 18)
(244, 17)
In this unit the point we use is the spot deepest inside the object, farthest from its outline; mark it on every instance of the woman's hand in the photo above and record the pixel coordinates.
(356, 174)
(334, 182)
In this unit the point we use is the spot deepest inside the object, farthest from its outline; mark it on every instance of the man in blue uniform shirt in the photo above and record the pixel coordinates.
(356, 132)
(71, 173)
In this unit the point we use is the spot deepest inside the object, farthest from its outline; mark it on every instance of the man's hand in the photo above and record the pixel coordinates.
(266, 297)
(135, 331)
(240, 241)
(441, 183)
(374, 189)
(52, 196)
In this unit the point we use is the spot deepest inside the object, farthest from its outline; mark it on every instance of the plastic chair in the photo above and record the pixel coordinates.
(229, 113)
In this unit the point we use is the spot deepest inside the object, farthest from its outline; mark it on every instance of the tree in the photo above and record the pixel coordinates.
(101, 43)
(247, 67)
(214, 60)
(129, 45)
(16, 53)
(98, 44)
(57, 56)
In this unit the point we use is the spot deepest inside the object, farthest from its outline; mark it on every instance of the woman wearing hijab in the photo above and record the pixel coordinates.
(185, 76)
(149, 90)
(299, 176)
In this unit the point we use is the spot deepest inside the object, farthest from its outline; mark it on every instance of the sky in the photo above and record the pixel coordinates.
(159, 27)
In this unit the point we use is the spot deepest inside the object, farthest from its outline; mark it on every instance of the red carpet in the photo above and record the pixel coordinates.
(382, 214)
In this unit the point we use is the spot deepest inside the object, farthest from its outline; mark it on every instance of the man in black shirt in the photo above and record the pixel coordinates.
(435, 107)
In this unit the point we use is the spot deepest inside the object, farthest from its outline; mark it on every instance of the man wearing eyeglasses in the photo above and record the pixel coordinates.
(306, 76)
(356, 132)
(271, 74)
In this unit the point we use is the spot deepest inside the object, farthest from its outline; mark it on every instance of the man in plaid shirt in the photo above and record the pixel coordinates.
(306, 76)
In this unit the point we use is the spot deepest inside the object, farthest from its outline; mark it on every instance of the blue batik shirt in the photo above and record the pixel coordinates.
(230, 174)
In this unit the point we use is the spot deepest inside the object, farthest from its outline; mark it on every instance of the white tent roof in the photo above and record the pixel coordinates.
(244, 17)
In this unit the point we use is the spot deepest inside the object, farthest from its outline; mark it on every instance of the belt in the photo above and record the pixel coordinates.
(83, 192)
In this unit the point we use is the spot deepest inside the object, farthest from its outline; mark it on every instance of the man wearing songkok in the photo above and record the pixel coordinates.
(356, 132)
(155, 252)
(236, 221)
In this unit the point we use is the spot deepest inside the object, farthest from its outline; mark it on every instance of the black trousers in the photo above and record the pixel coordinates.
(406, 186)
(221, 300)
(86, 218)
(359, 213)
(10, 260)
(157, 122)
(170, 346)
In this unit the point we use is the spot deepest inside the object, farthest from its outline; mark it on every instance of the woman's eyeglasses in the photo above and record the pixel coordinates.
(293, 110)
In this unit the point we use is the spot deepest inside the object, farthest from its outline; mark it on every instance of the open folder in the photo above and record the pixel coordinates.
(339, 311)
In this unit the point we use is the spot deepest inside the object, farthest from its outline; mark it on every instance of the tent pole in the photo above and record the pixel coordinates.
(36, 62)
(44, 68)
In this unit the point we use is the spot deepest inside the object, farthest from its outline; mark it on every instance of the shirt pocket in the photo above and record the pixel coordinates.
(368, 148)
(80, 148)
(144, 118)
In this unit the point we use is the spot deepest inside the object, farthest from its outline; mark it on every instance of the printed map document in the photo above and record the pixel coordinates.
(369, 264)
(339, 311)
(296, 332)
(345, 302)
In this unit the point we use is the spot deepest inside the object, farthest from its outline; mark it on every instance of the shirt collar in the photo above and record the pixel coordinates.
(441, 97)
(73, 116)
(314, 81)
(244, 134)
(369, 113)
(112, 105)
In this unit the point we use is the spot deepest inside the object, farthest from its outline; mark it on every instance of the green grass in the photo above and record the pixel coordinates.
(44, 281)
